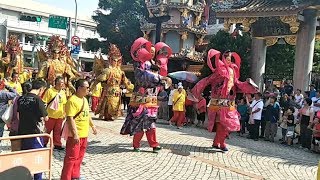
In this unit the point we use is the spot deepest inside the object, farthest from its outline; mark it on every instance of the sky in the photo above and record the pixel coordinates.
(85, 7)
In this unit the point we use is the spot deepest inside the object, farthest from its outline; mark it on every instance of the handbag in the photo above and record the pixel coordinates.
(65, 129)
(8, 114)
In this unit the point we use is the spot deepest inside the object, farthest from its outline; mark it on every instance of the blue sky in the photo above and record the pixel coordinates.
(85, 7)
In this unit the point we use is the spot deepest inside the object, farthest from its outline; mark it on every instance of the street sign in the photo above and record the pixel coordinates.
(58, 22)
(75, 56)
(75, 40)
(75, 49)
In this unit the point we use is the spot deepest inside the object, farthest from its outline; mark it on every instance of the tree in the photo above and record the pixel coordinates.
(122, 25)
(223, 41)
(280, 61)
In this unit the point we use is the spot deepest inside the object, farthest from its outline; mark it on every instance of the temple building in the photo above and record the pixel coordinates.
(294, 21)
(184, 31)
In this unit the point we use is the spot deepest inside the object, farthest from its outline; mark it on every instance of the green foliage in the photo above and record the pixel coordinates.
(280, 61)
(94, 45)
(316, 58)
(222, 42)
(122, 25)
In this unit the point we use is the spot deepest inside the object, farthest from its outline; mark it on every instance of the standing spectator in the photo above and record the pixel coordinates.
(127, 97)
(316, 135)
(288, 88)
(178, 103)
(172, 90)
(243, 110)
(256, 113)
(32, 113)
(316, 102)
(290, 125)
(271, 116)
(55, 99)
(298, 97)
(306, 117)
(190, 110)
(14, 125)
(15, 84)
(123, 97)
(163, 104)
(201, 110)
(313, 91)
(7, 93)
(95, 96)
(78, 122)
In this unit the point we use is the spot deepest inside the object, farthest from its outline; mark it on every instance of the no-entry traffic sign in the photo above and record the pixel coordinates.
(75, 40)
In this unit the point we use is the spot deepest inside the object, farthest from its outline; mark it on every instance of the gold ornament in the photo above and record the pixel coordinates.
(184, 35)
(246, 22)
(292, 40)
(292, 21)
(271, 41)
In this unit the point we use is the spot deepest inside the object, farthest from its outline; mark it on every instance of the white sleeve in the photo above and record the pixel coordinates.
(260, 105)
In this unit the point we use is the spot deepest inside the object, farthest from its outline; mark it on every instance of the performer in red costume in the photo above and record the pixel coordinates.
(150, 69)
(223, 116)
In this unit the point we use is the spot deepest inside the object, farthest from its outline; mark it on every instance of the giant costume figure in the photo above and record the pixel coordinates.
(13, 62)
(57, 62)
(111, 78)
(150, 69)
(224, 81)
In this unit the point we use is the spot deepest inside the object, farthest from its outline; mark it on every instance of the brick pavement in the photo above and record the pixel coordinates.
(186, 156)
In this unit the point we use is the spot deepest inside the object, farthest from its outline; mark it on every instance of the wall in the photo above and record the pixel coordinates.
(190, 42)
(175, 17)
(173, 40)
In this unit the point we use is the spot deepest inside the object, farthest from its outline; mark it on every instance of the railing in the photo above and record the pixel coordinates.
(35, 160)
(43, 28)
(84, 54)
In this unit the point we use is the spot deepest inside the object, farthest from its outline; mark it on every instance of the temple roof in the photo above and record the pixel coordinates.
(259, 8)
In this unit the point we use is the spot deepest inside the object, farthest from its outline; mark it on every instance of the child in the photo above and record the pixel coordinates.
(243, 111)
(290, 125)
(283, 125)
(201, 110)
(316, 135)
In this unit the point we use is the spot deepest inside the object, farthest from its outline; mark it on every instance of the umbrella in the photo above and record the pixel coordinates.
(184, 76)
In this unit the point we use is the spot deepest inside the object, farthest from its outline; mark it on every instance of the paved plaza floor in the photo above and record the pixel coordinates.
(186, 156)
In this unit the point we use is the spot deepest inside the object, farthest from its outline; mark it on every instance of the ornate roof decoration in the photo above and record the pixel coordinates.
(256, 8)
(198, 7)
(189, 54)
(196, 30)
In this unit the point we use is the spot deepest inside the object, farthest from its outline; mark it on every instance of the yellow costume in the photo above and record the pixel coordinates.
(17, 86)
(112, 78)
(57, 62)
(13, 62)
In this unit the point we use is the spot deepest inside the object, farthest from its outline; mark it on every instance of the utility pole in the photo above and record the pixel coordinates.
(75, 21)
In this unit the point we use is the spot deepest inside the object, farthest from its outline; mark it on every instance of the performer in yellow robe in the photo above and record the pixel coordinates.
(112, 78)
(57, 62)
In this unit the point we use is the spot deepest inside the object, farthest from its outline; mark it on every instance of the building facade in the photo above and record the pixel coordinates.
(185, 31)
(13, 21)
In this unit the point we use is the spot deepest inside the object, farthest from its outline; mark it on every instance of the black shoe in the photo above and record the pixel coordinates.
(256, 139)
(224, 149)
(261, 137)
(157, 149)
(215, 147)
(60, 148)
